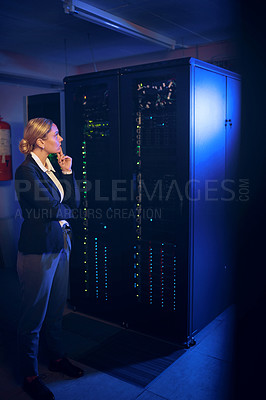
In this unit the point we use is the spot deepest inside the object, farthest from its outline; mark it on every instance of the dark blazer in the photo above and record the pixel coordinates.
(39, 200)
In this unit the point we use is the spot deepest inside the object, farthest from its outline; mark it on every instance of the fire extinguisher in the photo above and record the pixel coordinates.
(5, 151)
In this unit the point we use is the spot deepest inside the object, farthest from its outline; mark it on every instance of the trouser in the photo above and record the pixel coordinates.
(44, 284)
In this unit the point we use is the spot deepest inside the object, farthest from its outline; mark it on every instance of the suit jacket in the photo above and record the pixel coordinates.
(39, 200)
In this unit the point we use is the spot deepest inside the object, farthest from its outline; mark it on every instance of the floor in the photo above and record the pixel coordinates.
(203, 372)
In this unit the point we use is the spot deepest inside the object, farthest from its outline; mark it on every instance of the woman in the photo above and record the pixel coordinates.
(47, 200)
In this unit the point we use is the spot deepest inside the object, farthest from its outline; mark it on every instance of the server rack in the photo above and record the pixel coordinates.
(154, 150)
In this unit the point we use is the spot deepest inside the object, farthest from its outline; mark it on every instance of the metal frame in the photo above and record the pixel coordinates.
(97, 16)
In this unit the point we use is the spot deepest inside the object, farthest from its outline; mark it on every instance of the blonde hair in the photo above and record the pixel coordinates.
(36, 128)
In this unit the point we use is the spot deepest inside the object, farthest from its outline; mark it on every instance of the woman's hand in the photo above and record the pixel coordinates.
(65, 162)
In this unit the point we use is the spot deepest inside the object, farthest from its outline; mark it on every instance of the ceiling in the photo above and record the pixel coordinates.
(42, 29)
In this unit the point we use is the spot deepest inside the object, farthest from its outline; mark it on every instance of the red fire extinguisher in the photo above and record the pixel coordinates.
(5, 152)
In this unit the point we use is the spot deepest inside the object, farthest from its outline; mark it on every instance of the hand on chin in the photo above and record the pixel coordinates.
(65, 162)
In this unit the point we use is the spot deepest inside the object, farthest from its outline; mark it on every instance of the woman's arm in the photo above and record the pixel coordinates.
(71, 192)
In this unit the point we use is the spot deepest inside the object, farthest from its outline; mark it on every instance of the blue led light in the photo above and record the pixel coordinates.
(96, 270)
(105, 271)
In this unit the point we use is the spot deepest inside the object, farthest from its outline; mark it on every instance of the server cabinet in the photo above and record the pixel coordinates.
(155, 113)
(97, 281)
(158, 252)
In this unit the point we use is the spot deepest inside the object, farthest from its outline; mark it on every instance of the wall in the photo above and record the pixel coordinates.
(223, 54)
(19, 64)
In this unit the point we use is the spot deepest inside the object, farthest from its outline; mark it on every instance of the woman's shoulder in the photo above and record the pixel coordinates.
(26, 166)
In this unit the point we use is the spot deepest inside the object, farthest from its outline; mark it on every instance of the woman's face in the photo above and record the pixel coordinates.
(53, 141)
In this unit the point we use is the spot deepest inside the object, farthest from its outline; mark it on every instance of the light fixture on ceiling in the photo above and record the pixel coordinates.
(92, 14)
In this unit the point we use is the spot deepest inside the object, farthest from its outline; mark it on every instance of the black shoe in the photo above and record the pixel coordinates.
(65, 366)
(37, 389)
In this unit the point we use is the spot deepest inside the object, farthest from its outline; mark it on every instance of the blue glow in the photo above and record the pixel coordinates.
(96, 270)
